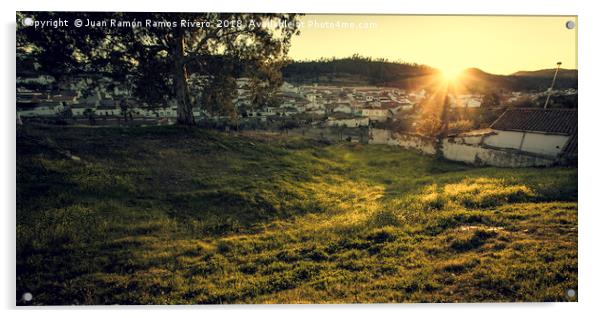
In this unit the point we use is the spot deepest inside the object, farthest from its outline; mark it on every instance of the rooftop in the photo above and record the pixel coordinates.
(560, 121)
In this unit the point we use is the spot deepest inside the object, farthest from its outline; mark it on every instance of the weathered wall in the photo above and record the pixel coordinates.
(351, 122)
(472, 140)
(505, 139)
(456, 150)
(339, 134)
(493, 157)
(545, 144)
(406, 141)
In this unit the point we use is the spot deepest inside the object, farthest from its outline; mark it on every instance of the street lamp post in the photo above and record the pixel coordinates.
(552, 87)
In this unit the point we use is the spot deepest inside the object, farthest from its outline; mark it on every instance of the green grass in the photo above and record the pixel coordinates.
(167, 215)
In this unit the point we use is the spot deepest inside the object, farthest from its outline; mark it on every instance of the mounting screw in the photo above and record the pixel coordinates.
(571, 293)
(28, 21)
(27, 297)
(570, 24)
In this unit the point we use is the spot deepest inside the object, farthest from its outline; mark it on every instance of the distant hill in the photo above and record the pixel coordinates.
(548, 73)
(476, 79)
(358, 70)
(365, 71)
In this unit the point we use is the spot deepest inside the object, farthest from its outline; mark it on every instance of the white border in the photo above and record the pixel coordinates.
(589, 173)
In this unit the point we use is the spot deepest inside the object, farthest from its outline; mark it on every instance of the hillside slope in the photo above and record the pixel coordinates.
(164, 215)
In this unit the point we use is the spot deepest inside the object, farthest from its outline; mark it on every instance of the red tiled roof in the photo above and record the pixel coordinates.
(561, 121)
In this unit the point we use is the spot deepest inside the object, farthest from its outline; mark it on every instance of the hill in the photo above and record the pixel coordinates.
(358, 70)
(477, 80)
(365, 71)
(167, 215)
(549, 73)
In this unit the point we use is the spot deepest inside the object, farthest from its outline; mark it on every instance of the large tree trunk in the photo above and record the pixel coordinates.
(180, 82)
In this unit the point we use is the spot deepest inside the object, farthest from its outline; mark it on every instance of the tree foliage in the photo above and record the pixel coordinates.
(161, 60)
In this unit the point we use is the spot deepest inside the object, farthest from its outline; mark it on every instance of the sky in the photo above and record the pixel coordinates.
(495, 44)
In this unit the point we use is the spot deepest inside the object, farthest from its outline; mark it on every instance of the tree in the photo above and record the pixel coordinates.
(429, 124)
(490, 99)
(91, 116)
(217, 95)
(288, 124)
(163, 57)
(124, 107)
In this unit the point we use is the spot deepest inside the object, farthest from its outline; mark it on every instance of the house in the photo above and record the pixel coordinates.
(417, 96)
(284, 111)
(81, 109)
(343, 108)
(401, 108)
(377, 114)
(67, 97)
(316, 111)
(288, 87)
(143, 111)
(466, 101)
(473, 103)
(39, 109)
(170, 111)
(312, 106)
(348, 122)
(40, 80)
(544, 132)
(107, 108)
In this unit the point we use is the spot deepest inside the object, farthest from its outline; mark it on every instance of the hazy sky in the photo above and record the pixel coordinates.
(495, 44)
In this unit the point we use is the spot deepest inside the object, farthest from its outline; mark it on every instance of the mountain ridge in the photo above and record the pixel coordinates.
(361, 71)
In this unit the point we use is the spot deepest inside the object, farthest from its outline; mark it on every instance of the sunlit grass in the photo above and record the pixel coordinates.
(174, 217)
(475, 193)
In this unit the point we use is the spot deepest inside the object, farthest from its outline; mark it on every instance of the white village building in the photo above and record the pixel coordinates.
(348, 122)
(377, 114)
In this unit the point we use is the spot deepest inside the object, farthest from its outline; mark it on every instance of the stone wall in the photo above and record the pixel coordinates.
(456, 150)
(482, 155)
(407, 141)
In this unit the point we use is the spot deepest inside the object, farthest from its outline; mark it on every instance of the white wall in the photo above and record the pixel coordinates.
(108, 112)
(414, 142)
(473, 140)
(544, 144)
(504, 139)
(37, 112)
(493, 157)
(352, 122)
(457, 150)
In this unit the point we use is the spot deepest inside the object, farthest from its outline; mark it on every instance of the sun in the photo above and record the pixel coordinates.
(450, 73)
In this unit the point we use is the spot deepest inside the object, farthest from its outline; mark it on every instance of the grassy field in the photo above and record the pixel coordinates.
(167, 215)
